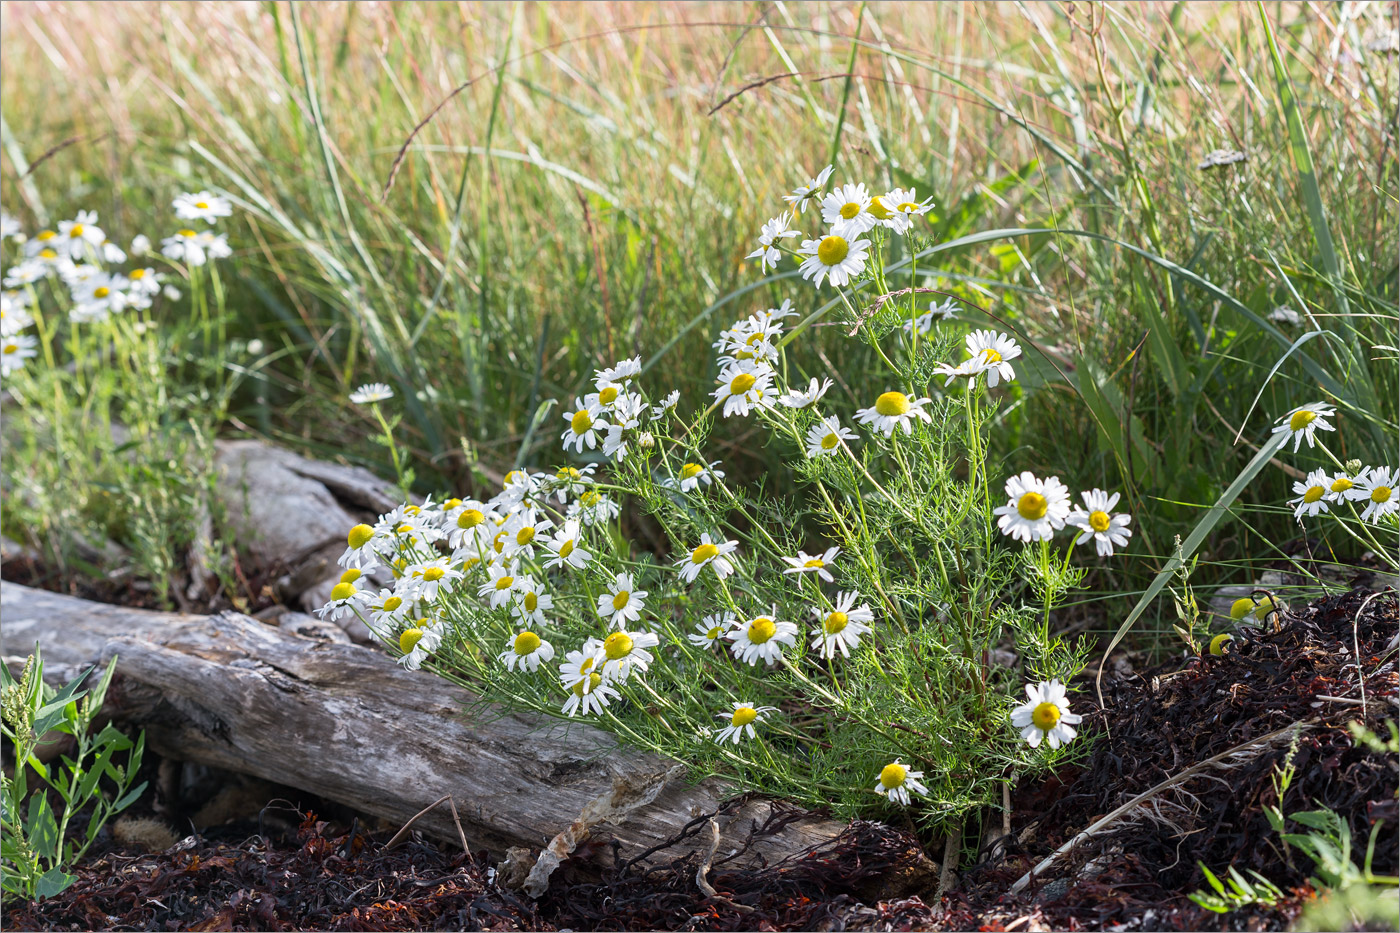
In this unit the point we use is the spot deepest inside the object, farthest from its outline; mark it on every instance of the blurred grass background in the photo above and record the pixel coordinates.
(586, 178)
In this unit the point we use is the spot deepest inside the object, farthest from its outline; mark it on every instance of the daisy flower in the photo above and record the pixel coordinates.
(708, 552)
(584, 424)
(184, 245)
(386, 610)
(577, 665)
(623, 371)
(659, 410)
(841, 628)
(743, 385)
(803, 193)
(520, 532)
(692, 476)
(773, 230)
(470, 525)
(898, 208)
(806, 563)
(1285, 315)
(140, 245)
(528, 651)
(1045, 715)
(993, 351)
(531, 602)
(498, 589)
(14, 313)
(81, 238)
(1302, 422)
(371, 392)
(516, 488)
(1097, 522)
(846, 210)
(14, 350)
(592, 694)
(1379, 489)
(623, 602)
(891, 410)
(1312, 495)
(9, 227)
(815, 390)
(418, 642)
(825, 437)
(945, 310)
(144, 282)
(570, 481)
(1036, 508)
(566, 547)
(201, 205)
(428, 577)
(622, 651)
(896, 781)
(833, 258)
(101, 293)
(710, 630)
(761, 639)
(363, 550)
(741, 719)
(593, 508)
(345, 598)
(1342, 486)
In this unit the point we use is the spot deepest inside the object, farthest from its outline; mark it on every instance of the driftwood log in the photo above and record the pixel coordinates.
(345, 722)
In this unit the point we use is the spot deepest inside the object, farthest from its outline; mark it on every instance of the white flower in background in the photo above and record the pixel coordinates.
(569, 481)
(806, 563)
(387, 609)
(749, 339)
(1045, 715)
(27, 272)
(371, 392)
(1097, 521)
(499, 587)
(408, 523)
(593, 508)
(896, 781)
(43, 241)
(846, 210)
(659, 410)
(143, 282)
(585, 421)
(1378, 489)
(1302, 422)
(834, 258)
(622, 602)
(1312, 495)
(841, 628)
(171, 293)
(814, 393)
(566, 547)
(946, 310)
(590, 695)
(527, 650)
(894, 410)
(993, 351)
(623, 372)
(100, 294)
(112, 253)
(773, 231)
(140, 245)
(363, 551)
(1285, 315)
(898, 208)
(708, 552)
(744, 385)
(531, 602)
(201, 205)
(1036, 508)
(825, 437)
(710, 630)
(761, 639)
(419, 642)
(777, 314)
(81, 238)
(9, 227)
(195, 248)
(1342, 486)
(804, 193)
(741, 719)
(692, 476)
(14, 313)
(14, 350)
(622, 651)
(517, 487)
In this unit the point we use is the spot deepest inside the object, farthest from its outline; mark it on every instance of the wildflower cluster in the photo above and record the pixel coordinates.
(809, 646)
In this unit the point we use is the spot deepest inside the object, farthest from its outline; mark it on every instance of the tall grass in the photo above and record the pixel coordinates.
(480, 203)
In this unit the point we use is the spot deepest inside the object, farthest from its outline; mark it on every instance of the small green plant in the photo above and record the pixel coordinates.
(36, 847)
(1240, 893)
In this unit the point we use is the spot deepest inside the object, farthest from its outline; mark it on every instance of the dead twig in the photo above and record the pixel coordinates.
(403, 831)
(703, 883)
(880, 301)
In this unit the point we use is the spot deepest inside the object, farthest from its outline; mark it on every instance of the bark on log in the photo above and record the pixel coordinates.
(345, 722)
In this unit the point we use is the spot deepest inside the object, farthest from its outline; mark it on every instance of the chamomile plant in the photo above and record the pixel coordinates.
(830, 647)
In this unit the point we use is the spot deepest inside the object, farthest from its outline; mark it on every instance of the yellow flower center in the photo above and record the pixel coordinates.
(762, 629)
(433, 573)
(75, 231)
(470, 518)
(566, 548)
(101, 291)
(201, 205)
(186, 233)
(451, 503)
(878, 208)
(691, 470)
(568, 474)
(850, 209)
(1301, 419)
(498, 543)
(907, 207)
(830, 441)
(991, 356)
(1341, 484)
(11, 348)
(412, 510)
(581, 421)
(593, 681)
(410, 639)
(835, 622)
(392, 603)
(350, 576)
(743, 716)
(43, 236)
(342, 591)
(1099, 521)
(505, 583)
(1380, 494)
(404, 528)
(359, 536)
(526, 642)
(703, 553)
(832, 249)
(1314, 493)
(136, 274)
(741, 383)
(525, 535)
(532, 601)
(589, 498)
(618, 645)
(1045, 716)
(1032, 506)
(608, 395)
(814, 563)
(512, 476)
(713, 633)
(892, 775)
(892, 404)
(621, 600)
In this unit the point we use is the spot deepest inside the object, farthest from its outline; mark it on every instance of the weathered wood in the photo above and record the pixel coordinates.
(345, 722)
